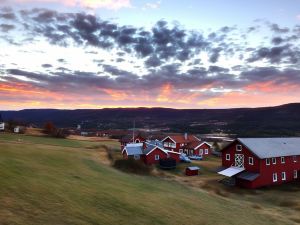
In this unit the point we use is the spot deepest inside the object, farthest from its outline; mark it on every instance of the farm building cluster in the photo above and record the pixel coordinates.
(171, 147)
(246, 162)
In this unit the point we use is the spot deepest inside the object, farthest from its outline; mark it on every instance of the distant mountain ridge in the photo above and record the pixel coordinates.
(281, 120)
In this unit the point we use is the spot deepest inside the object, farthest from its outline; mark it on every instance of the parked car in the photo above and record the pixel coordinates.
(183, 158)
(196, 157)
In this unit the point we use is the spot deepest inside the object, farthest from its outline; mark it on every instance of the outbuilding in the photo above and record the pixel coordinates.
(192, 171)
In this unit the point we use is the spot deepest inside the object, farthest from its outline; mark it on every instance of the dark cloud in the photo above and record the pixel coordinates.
(275, 54)
(275, 27)
(6, 27)
(277, 40)
(46, 65)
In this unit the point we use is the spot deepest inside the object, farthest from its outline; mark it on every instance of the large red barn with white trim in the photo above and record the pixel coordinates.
(257, 162)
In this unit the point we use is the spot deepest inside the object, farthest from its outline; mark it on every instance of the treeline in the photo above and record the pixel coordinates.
(51, 130)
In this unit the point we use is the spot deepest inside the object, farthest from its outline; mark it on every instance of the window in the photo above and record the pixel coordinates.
(136, 157)
(156, 157)
(294, 158)
(282, 160)
(180, 151)
(283, 177)
(251, 161)
(182, 144)
(238, 147)
(201, 151)
(268, 162)
(192, 152)
(274, 160)
(274, 177)
(206, 151)
(295, 174)
(227, 157)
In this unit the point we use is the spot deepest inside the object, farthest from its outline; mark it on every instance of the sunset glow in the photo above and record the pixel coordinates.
(108, 54)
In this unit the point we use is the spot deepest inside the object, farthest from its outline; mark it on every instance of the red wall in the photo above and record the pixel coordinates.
(191, 172)
(176, 149)
(231, 149)
(203, 147)
(150, 159)
(174, 156)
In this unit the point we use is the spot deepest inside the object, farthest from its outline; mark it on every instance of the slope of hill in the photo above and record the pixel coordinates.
(267, 121)
(54, 184)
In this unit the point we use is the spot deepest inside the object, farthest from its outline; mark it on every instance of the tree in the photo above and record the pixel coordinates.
(49, 128)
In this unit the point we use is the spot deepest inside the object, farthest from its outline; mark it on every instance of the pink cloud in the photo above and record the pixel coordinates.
(106, 4)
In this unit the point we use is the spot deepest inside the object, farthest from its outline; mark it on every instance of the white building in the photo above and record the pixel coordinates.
(2, 126)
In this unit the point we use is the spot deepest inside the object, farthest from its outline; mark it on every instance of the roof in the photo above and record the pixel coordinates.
(272, 147)
(150, 148)
(231, 171)
(134, 149)
(248, 175)
(193, 168)
(155, 143)
(202, 143)
(129, 137)
(182, 139)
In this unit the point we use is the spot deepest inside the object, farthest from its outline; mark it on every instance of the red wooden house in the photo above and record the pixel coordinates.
(188, 144)
(257, 162)
(149, 153)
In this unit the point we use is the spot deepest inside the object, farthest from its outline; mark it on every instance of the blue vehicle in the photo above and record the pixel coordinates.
(196, 157)
(183, 158)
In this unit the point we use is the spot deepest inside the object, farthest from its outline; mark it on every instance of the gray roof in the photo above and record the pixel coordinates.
(272, 147)
(193, 168)
(134, 150)
(248, 176)
(155, 143)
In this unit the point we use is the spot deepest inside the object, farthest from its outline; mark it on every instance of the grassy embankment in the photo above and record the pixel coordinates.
(56, 181)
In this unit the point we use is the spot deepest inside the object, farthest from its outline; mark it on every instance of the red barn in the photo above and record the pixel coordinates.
(257, 162)
(188, 144)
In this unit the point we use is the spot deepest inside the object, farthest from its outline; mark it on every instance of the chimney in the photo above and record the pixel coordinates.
(185, 136)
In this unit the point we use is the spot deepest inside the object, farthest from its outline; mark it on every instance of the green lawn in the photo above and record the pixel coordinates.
(55, 184)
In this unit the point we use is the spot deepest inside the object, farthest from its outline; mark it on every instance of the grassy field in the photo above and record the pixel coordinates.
(53, 181)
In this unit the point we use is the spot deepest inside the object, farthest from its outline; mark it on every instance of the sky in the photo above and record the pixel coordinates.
(72, 54)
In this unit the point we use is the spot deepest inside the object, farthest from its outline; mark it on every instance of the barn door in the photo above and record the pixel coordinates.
(239, 160)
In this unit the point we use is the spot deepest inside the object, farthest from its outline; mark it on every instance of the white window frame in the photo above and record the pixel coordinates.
(201, 152)
(274, 161)
(268, 161)
(227, 157)
(206, 151)
(238, 148)
(251, 161)
(156, 157)
(294, 158)
(274, 177)
(283, 176)
(295, 174)
(282, 159)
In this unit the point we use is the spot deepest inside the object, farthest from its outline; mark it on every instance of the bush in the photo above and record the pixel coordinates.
(133, 166)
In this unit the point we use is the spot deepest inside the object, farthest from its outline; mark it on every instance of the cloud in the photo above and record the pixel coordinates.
(106, 4)
(158, 66)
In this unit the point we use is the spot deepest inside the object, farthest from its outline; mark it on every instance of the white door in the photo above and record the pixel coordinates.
(239, 160)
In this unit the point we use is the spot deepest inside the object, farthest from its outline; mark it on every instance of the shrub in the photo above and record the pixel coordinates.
(132, 166)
